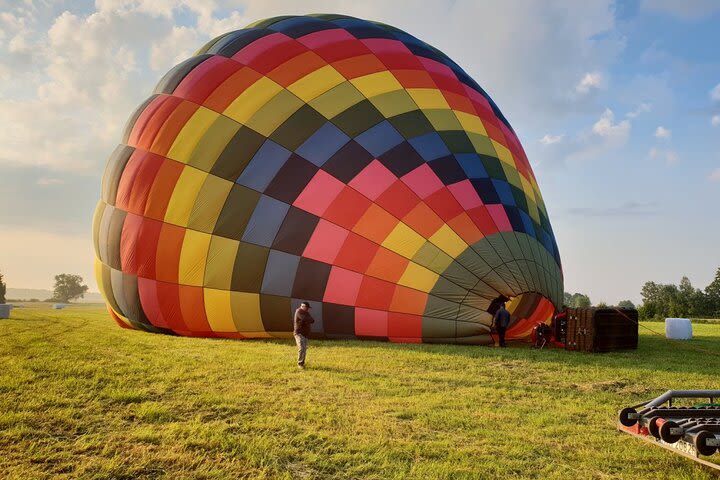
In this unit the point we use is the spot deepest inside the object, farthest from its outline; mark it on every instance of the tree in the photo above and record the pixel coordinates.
(712, 292)
(626, 304)
(580, 300)
(602, 305)
(68, 287)
(3, 289)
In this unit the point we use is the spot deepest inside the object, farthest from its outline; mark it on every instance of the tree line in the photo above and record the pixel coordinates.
(67, 287)
(683, 300)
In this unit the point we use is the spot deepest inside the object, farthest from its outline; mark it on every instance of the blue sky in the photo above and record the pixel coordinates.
(616, 103)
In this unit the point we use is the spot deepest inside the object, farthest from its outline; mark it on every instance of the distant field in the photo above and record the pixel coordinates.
(82, 398)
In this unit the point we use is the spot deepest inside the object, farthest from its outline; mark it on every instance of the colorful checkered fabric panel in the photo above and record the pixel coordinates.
(329, 159)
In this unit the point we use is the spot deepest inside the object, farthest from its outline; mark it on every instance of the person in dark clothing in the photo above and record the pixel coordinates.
(301, 330)
(502, 320)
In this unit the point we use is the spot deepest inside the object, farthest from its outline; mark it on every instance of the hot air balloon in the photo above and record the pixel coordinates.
(329, 159)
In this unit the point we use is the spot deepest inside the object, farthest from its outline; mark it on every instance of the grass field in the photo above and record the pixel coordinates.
(82, 398)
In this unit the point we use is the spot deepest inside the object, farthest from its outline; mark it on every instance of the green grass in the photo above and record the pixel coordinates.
(82, 398)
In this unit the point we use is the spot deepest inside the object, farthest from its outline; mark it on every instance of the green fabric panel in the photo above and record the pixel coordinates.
(275, 312)
(460, 275)
(447, 290)
(249, 268)
(209, 203)
(442, 119)
(358, 119)
(394, 103)
(457, 141)
(213, 143)
(482, 144)
(236, 212)
(298, 128)
(471, 328)
(237, 154)
(438, 328)
(437, 307)
(411, 124)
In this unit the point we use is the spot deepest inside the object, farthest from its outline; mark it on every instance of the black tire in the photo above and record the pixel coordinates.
(653, 428)
(665, 432)
(700, 443)
(624, 419)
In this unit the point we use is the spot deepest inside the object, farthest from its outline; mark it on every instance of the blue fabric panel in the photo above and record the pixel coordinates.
(265, 221)
(264, 166)
(430, 146)
(504, 192)
(323, 144)
(380, 138)
(280, 273)
(471, 165)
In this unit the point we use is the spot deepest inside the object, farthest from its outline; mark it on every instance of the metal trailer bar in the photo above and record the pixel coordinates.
(690, 431)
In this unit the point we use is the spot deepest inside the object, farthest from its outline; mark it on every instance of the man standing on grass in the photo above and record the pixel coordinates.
(502, 320)
(301, 330)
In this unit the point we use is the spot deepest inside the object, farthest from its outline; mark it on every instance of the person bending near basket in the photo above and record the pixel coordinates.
(501, 320)
(301, 330)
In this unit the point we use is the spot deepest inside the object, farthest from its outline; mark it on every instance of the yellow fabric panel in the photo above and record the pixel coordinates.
(193, 257)
(218, 310)
(316, 83)
(404, 240)
(337, 100)
(250, 101)
(213, 143)
(533, 210)
(209, 203)
(191, 133)
(448, 241)
(184, 195)
(527, 188)
(433, 258)
(220, 262)
(504, 154)
(442, 119)
(428, 98)
(470, 123)
(274, 113)
(394, 103)
(482, 144)
(418, 277)
(376, 83)
(246, 314)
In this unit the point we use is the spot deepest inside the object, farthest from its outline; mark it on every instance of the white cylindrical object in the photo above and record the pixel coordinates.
(678, 328)
(58, 306)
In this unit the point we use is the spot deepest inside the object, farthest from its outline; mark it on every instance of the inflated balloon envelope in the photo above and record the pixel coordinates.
(329, 159)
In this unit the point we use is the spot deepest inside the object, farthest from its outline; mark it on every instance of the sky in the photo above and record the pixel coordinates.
(617, 104)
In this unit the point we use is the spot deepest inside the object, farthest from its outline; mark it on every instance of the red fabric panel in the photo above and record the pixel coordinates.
(481, 217)
(402, 325)
(205, 78)
(387, 265)
(347, 208)
(346, 49)
(359, 66)
(325, 243)
(144, 117)
(444, 204)
(147, 290)
(398, 199)
(168, 253)
(296, 68)
(356, 253)
(172, 126)
(331, 37)
(342, 286)
(458, 101)
(143, 182)
(414, 78)
(464, 226)
(371, 323)
(168, 296)
(162, 189)
(231, 88)
(127, 179)
(154, 123)
(423, 220)
(129, 243)
(192, 306)
(375, 293)
(146, 247)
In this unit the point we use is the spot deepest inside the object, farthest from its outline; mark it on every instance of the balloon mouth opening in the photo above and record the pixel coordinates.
(495, 304)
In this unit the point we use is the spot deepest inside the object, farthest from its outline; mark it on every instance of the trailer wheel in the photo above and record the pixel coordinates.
(624, 415)
(665, 432)
(701, 445)
(653, 427)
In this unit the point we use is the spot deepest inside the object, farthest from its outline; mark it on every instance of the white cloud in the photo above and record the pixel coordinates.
(48, 181)
(616, 134)
(715, 175)
(662, 133)
(550, 139)
(591, 80)
(715, 120)
(715, 93)
(642, 108)
(686, 9)
(668, 156)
